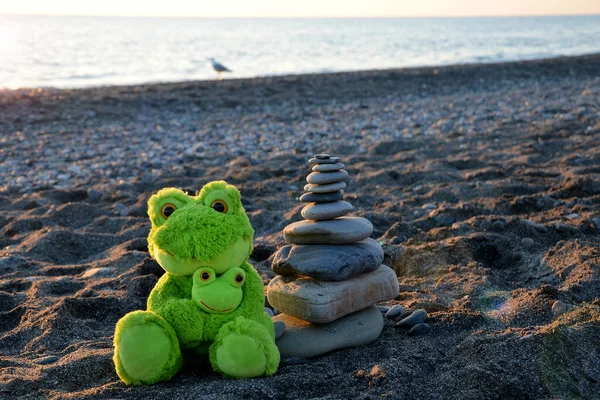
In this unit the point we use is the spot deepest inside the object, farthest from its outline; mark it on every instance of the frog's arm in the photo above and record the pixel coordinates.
(173, 302)
(254, 293)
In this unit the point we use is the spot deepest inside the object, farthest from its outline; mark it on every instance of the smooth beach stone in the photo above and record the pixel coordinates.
(303, 339)
(419, 329)
(330, 160)
(342, 230)
(417, 317)
(321, 302)
(323, 178)
(325, 211)
(327, 167)
(332, 187)
(328, 262)
(279, 329)
(395, 311)
(322, 197)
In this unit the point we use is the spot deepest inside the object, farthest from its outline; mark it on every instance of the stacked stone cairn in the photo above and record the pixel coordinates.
(330, 275)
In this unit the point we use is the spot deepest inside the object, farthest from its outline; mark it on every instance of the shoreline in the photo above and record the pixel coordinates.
(408, 71)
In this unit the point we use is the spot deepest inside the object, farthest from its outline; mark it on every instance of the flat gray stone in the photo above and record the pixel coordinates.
(342, 230)
(321, 302)
(330, 160)
(323, 178)
(332, 187)
(326, 211)
(328, 167)
(303, 339)
(322, 198)
(328, 262)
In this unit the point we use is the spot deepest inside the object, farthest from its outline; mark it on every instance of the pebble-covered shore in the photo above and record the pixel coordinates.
(482, 184)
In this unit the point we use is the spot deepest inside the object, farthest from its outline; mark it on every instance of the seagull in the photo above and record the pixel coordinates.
(219, 68)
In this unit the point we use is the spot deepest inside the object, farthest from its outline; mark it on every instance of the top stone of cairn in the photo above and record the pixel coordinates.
(324, 159)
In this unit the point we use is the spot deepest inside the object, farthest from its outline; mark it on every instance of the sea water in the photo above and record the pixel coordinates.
(44, 51)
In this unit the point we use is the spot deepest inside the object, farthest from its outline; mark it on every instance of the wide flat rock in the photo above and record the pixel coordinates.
(322, 197)
(320, 302)
(326, 211)
(328, 262)
(327, 167)
(342, 230)
(322, 178)
(303, 339)
(328, 188)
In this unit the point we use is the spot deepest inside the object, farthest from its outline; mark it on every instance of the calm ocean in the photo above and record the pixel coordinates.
(91, 51)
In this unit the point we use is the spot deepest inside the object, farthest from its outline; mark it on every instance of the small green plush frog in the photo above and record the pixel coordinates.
(210, 300)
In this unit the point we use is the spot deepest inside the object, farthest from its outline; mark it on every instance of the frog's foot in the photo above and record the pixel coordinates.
(244, 349)
(146, 349)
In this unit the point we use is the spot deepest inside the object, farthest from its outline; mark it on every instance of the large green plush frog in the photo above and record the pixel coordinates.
(210, 300)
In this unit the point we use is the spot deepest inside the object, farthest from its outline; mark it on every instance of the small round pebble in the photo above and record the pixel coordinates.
(419, 329)
(279, 329)
(383, 309)
(94, 195)
(486, 225)
(498, 226)
(596, 222)
(395, 311)
(527, 242)
(417, 317)
(47, 360)
(269, 312)
(559, 308)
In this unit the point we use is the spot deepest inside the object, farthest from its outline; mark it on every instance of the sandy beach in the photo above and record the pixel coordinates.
(482, 183)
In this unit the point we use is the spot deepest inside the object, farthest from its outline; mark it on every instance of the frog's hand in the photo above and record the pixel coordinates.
(171, 299)
(244, 349)
(146, 349)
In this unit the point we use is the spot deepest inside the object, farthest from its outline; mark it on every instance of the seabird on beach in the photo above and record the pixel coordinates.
(219, 68)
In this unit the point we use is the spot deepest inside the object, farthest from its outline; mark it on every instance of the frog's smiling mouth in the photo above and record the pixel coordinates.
(232, 256)
(214, 309)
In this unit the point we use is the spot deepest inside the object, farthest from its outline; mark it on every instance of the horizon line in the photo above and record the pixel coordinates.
(304, 17)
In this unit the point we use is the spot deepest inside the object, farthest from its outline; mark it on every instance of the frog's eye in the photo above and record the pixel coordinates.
(239, 278)
(219, 206)
(167, 210)
(205, 275)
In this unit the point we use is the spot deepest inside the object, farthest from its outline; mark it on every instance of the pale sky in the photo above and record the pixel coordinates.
(300, 8)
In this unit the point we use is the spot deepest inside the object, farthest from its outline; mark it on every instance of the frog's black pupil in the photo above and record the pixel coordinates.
(205, 275)
(218, 206)
(239, 278)
(168, 211)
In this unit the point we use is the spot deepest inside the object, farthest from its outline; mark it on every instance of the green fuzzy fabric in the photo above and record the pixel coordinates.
(243, 348)
(196, 231)
(194, 235)
(146, 349)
